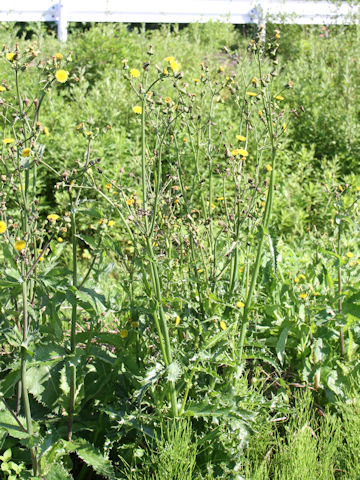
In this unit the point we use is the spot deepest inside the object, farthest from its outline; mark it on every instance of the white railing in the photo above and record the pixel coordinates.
(171, 11)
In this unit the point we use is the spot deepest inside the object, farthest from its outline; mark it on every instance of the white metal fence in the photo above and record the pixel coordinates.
(175, 11)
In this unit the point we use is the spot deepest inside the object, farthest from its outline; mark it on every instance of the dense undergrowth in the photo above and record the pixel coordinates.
(179, 291)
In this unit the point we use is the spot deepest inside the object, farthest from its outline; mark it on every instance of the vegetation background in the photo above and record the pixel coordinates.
(277, 398)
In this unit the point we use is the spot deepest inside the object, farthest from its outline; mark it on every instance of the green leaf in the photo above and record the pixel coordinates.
(58, 472)
(281, 343)
(92, 457)
(10, 425)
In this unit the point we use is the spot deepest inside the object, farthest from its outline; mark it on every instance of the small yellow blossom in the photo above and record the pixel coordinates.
(196, 80)
(277, 34)
(174, 65)
(3, 227)
(303, 295)
(254, 80)
(137, 109)
(268, 168)
(59, 56)
(108, 186)
(358, 189)
(41, 259)
(213, 206)
(284, 126)
(10, 56)
(46, 131)
(26, 152)
(279, 97)
(135, 324)
(296, 280)
(169, 59)
(168, 100)
(177, 320)
(60, 240)
(2, 88)
(53, 217)
(240, 305)
(19, 245)
(251, 94)
(111, 223)
(302, 276)
(185, 140)
(8, 140)
(221, 69)
(349, 254)
(130, 201)
(222, 325)
(220, 199)
(241, 138)
(166, 71)
(134, 73)
(124, 333)
(61, 76)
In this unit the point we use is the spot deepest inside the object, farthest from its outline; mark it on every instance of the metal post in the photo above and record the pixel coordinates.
(62, 21)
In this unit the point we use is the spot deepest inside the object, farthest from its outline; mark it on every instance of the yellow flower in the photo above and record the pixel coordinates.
(174, 65)
(254, 80)
(59, 56)
(134, 73)
(111, 223)
(25, 152)
(220, 199)
(349, 254)
(177, 320)
(296, 280)
(221, 69)
(213, 206)
(240, 305)
(302, 276)
(8, 140)
(135, 324)
(41, 259)
(2, 88)
(166, 71)
(279, 97)
(239, 151)
(130, 201)
(303, 295)
(53, 217)
(10, 56)
(222, 325)
(169, 59)
(19, 245)
(251, 94)
(168, 100)
(241, 138)
(137, 109)
(268, 167)
(124, 333)
(61, 76)
(185, 140)
(196, 80)
(46, 131)
(284, 126)
(108, 186)
(3, 227)
(60, 240)
(277, 34)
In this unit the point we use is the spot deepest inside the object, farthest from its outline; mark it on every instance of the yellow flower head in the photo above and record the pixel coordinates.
(196, 80)
(2, 88)
(111, 223)
(53, 217)
(222, 325)
(254, 80)
(19, 245)
(137, 109)
(25, 152)
(3, 227)
(169, 59)
(296, 280)
(168, 100)
(124, 333)
(60, 240)
(134, 73)
(349, 254)
(279, 97)
(46, 131)
(240, 305)
(108, 186)
(241, 138)
(59, 56)
(130, 201)
(251, 94)
(174, 65)
(221, 69)
(135, 324)
(177, 320)
(166, 71)
(268, 168)
(8, 140)
(10, 56)
(61, 76)
(303, 295)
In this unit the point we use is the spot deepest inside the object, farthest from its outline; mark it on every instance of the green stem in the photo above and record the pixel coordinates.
(342, 340)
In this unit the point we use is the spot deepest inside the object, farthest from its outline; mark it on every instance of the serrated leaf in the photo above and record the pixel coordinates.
(58, 472)
(92, 457)
(9, 425)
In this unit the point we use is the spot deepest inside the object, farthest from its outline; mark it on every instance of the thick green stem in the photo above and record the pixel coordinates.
(342, 340)
(73, 327)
